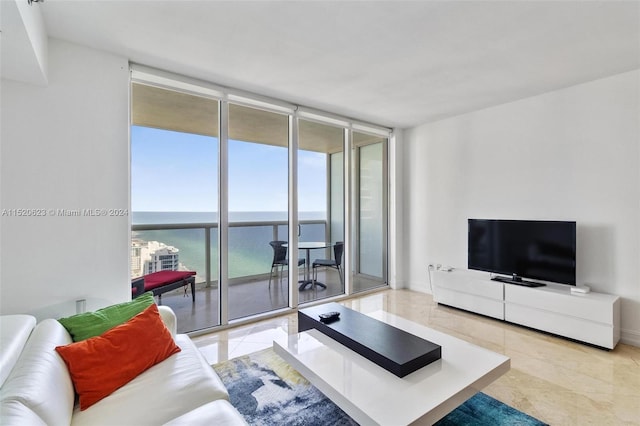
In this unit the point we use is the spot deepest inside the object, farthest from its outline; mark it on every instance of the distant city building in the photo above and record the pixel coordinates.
(152, 256)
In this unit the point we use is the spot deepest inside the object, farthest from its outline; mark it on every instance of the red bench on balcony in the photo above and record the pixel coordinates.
(162, 282)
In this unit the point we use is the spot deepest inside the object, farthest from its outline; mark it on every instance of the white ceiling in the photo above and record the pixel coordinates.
(393, 63)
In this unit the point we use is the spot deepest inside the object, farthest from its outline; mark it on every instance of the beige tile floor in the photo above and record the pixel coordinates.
(555, 380)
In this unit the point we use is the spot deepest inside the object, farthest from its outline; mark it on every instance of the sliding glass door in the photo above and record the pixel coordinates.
(258, 176)
(320, 209)
(174, 196)
(369, 269)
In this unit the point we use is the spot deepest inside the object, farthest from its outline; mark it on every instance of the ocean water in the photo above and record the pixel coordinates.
(148, 218)
(249, 249)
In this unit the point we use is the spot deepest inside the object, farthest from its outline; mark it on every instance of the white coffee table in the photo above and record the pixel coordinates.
(373, 396)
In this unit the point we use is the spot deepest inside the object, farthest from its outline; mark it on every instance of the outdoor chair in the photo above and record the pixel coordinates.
(338, 250)
(280, 258)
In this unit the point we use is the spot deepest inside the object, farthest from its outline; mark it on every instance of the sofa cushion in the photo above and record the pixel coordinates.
(91, 324)
(14, 332)
(219, 413)
(102, 364)
(162, 278)
(167, 390)
(40, 380)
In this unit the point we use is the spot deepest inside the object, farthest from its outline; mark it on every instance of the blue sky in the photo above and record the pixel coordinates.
(172, 171)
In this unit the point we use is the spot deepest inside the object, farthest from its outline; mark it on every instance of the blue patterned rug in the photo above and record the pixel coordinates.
(267, 391)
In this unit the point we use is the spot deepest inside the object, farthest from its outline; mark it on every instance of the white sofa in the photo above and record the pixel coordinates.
(36, 388)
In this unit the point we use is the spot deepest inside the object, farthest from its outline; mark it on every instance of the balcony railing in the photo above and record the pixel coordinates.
(250, 254)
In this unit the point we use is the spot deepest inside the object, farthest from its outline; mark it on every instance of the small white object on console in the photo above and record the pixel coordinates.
(580, 289)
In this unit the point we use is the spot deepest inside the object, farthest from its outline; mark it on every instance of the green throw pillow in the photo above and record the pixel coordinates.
(91, 324)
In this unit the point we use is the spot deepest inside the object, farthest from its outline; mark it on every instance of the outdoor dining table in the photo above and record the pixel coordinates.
(308, 246)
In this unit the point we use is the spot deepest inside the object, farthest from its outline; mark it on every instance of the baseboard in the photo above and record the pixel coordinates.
(630, 337)
(421, 287)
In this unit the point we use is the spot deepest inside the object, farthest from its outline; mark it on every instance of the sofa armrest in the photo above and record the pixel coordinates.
(14, 332)
(169, 318)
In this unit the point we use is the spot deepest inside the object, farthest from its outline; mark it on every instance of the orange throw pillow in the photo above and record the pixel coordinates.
(102, 364)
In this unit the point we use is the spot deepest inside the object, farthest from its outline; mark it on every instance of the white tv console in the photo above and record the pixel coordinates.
(592, 318)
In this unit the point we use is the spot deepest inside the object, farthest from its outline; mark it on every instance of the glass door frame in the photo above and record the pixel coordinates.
(257, 103)
(293, 208)
(355, 219)
(343, 127)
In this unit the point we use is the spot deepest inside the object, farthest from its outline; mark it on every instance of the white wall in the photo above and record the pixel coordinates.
(65, 146)
(572, 154)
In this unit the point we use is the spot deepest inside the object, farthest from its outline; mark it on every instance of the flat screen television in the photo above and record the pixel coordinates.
(534, 249)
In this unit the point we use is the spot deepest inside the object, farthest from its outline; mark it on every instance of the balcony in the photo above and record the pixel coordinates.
(250, 257)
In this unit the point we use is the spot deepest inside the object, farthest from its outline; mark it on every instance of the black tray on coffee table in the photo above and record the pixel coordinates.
(389, 347)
